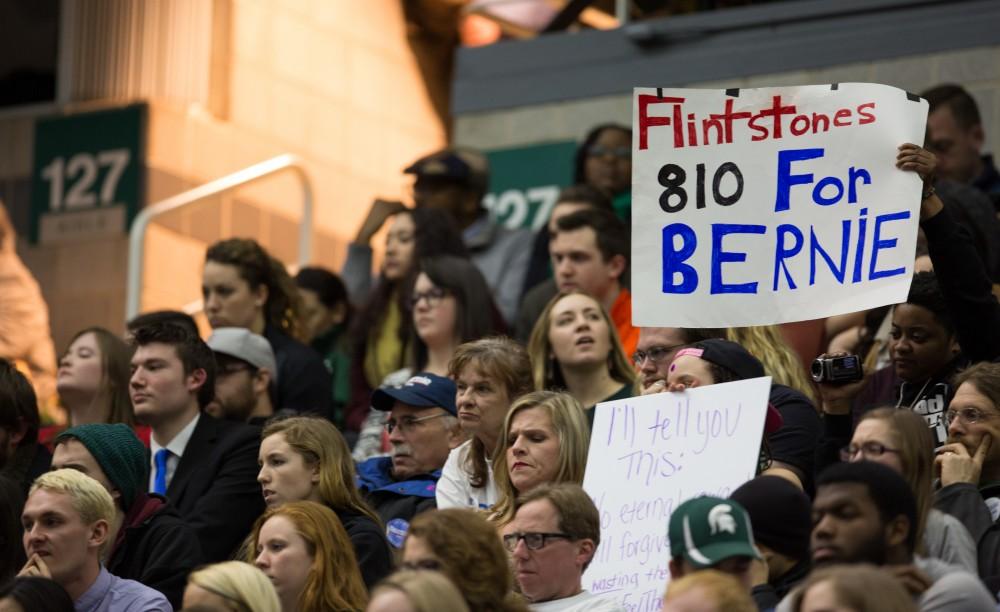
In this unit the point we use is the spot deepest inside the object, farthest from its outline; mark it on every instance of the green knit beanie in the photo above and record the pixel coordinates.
(118, 451)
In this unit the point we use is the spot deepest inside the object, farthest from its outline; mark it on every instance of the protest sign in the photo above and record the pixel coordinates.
(761, 206)
(649, 454)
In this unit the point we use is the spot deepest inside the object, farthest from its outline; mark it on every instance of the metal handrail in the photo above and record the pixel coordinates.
(137, 234)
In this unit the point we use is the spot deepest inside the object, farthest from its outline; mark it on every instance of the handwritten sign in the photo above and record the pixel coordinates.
(761, 206)
(648, 455)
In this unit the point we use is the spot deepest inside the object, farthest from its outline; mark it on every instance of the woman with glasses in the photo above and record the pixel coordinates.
(450, 304)
(489, 374)
(604, 160)
(462, 545)
(545, 441)
(303, 549)
(900, 439)
(306, 459)
(574, 348)
(382, 329)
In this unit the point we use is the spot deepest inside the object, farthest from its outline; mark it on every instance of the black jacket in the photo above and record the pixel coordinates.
(155, 547)
(370, 546)
(214, 488)
(795, 442)
(967, 503)
(304, 383)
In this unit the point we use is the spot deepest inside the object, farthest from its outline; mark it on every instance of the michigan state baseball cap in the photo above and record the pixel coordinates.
(708, 530)
(422, 390)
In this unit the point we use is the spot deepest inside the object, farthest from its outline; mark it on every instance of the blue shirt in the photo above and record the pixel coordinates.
(109, 593)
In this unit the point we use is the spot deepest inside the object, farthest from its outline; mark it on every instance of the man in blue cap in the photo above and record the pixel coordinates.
(423, 427)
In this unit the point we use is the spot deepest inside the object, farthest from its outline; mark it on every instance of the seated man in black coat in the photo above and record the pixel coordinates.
(423, 428)
(207, 468)
(149, 543)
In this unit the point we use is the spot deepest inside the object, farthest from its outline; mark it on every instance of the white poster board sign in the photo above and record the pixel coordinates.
(648, 455)
(761, 206)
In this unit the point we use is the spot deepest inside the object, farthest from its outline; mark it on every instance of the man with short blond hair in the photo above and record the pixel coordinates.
(67, 521)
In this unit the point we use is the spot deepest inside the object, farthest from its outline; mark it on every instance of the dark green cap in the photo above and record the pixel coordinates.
(708, 530)
(118, 451)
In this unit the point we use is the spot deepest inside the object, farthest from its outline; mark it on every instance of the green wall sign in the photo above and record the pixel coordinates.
(88, 174)
(525, 182)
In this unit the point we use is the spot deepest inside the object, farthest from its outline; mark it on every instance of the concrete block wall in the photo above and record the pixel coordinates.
(977, 69)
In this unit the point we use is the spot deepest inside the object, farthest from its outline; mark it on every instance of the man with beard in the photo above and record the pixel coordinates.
(423, 428)
(865, 513)
(969, 465)
(244, 376)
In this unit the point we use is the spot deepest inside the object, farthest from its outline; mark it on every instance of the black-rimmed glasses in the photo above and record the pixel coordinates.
(533, 540)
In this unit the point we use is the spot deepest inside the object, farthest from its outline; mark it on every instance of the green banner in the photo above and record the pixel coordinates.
(525, 182)
(87, 180)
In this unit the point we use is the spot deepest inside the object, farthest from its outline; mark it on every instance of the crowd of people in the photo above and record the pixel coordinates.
(417, 440)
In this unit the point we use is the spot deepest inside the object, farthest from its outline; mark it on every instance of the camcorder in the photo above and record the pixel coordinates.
(837, 370)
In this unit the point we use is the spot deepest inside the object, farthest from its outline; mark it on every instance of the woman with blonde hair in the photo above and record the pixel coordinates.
(232, 585)
(463, 546)
(545, 440)
(417, 591)
(766, 343)
(489, 374)
(306, 458)
(303, 548)
(852, 588)
(574, 348)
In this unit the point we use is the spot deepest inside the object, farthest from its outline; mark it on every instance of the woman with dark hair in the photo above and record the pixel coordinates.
(604, 161)
(450, 305)
(382, 331)
(243, 286)
(34, 594)
(326, 316)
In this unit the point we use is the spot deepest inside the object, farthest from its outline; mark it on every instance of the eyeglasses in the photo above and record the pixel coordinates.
(868, 449)
(617, 152)
(534, 541)
(432, 296)
(967, 416)
(422, 564)
(407, 424)
(656, 354)
(233, 369)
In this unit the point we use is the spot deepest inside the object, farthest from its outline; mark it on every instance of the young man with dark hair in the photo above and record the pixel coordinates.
(22, 459)
(865, 512)
(205, 466)
(955, 134)
(149, 542)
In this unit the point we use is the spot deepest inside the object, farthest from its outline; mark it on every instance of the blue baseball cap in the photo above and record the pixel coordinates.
(422, 390)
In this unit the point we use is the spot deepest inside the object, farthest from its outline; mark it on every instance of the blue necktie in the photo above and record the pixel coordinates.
(160, 483)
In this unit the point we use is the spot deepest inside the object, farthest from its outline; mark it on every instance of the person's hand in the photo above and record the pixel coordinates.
(380, 211)
(924, 163)
(954, 463)
(35, 566)
(836, 399)
(913, 580)
(657, 387)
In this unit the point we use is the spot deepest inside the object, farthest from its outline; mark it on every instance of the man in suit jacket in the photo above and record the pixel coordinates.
(207, 468)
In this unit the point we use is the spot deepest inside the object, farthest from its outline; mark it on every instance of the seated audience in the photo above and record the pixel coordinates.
(22, 458)
(450, 305)
(539, 285)
(243, 286)
(545, 440)
(231, 585)
(552, 539)
(968, 466)
(303, 548)
(306, 459)
(781, 517)
(462, 545)
(899, 439)
(713, 533)
(656, 350)
(590, 253)
(416, 591)
(489, 374)
(574, 348)
(203, 465)
(604, 161)
(326, 317)
(423, 429)
(67, 522)
(865, 512)
(245, 376)
(382, 331)
(854, 588)
(707, 591)
(34, 594)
